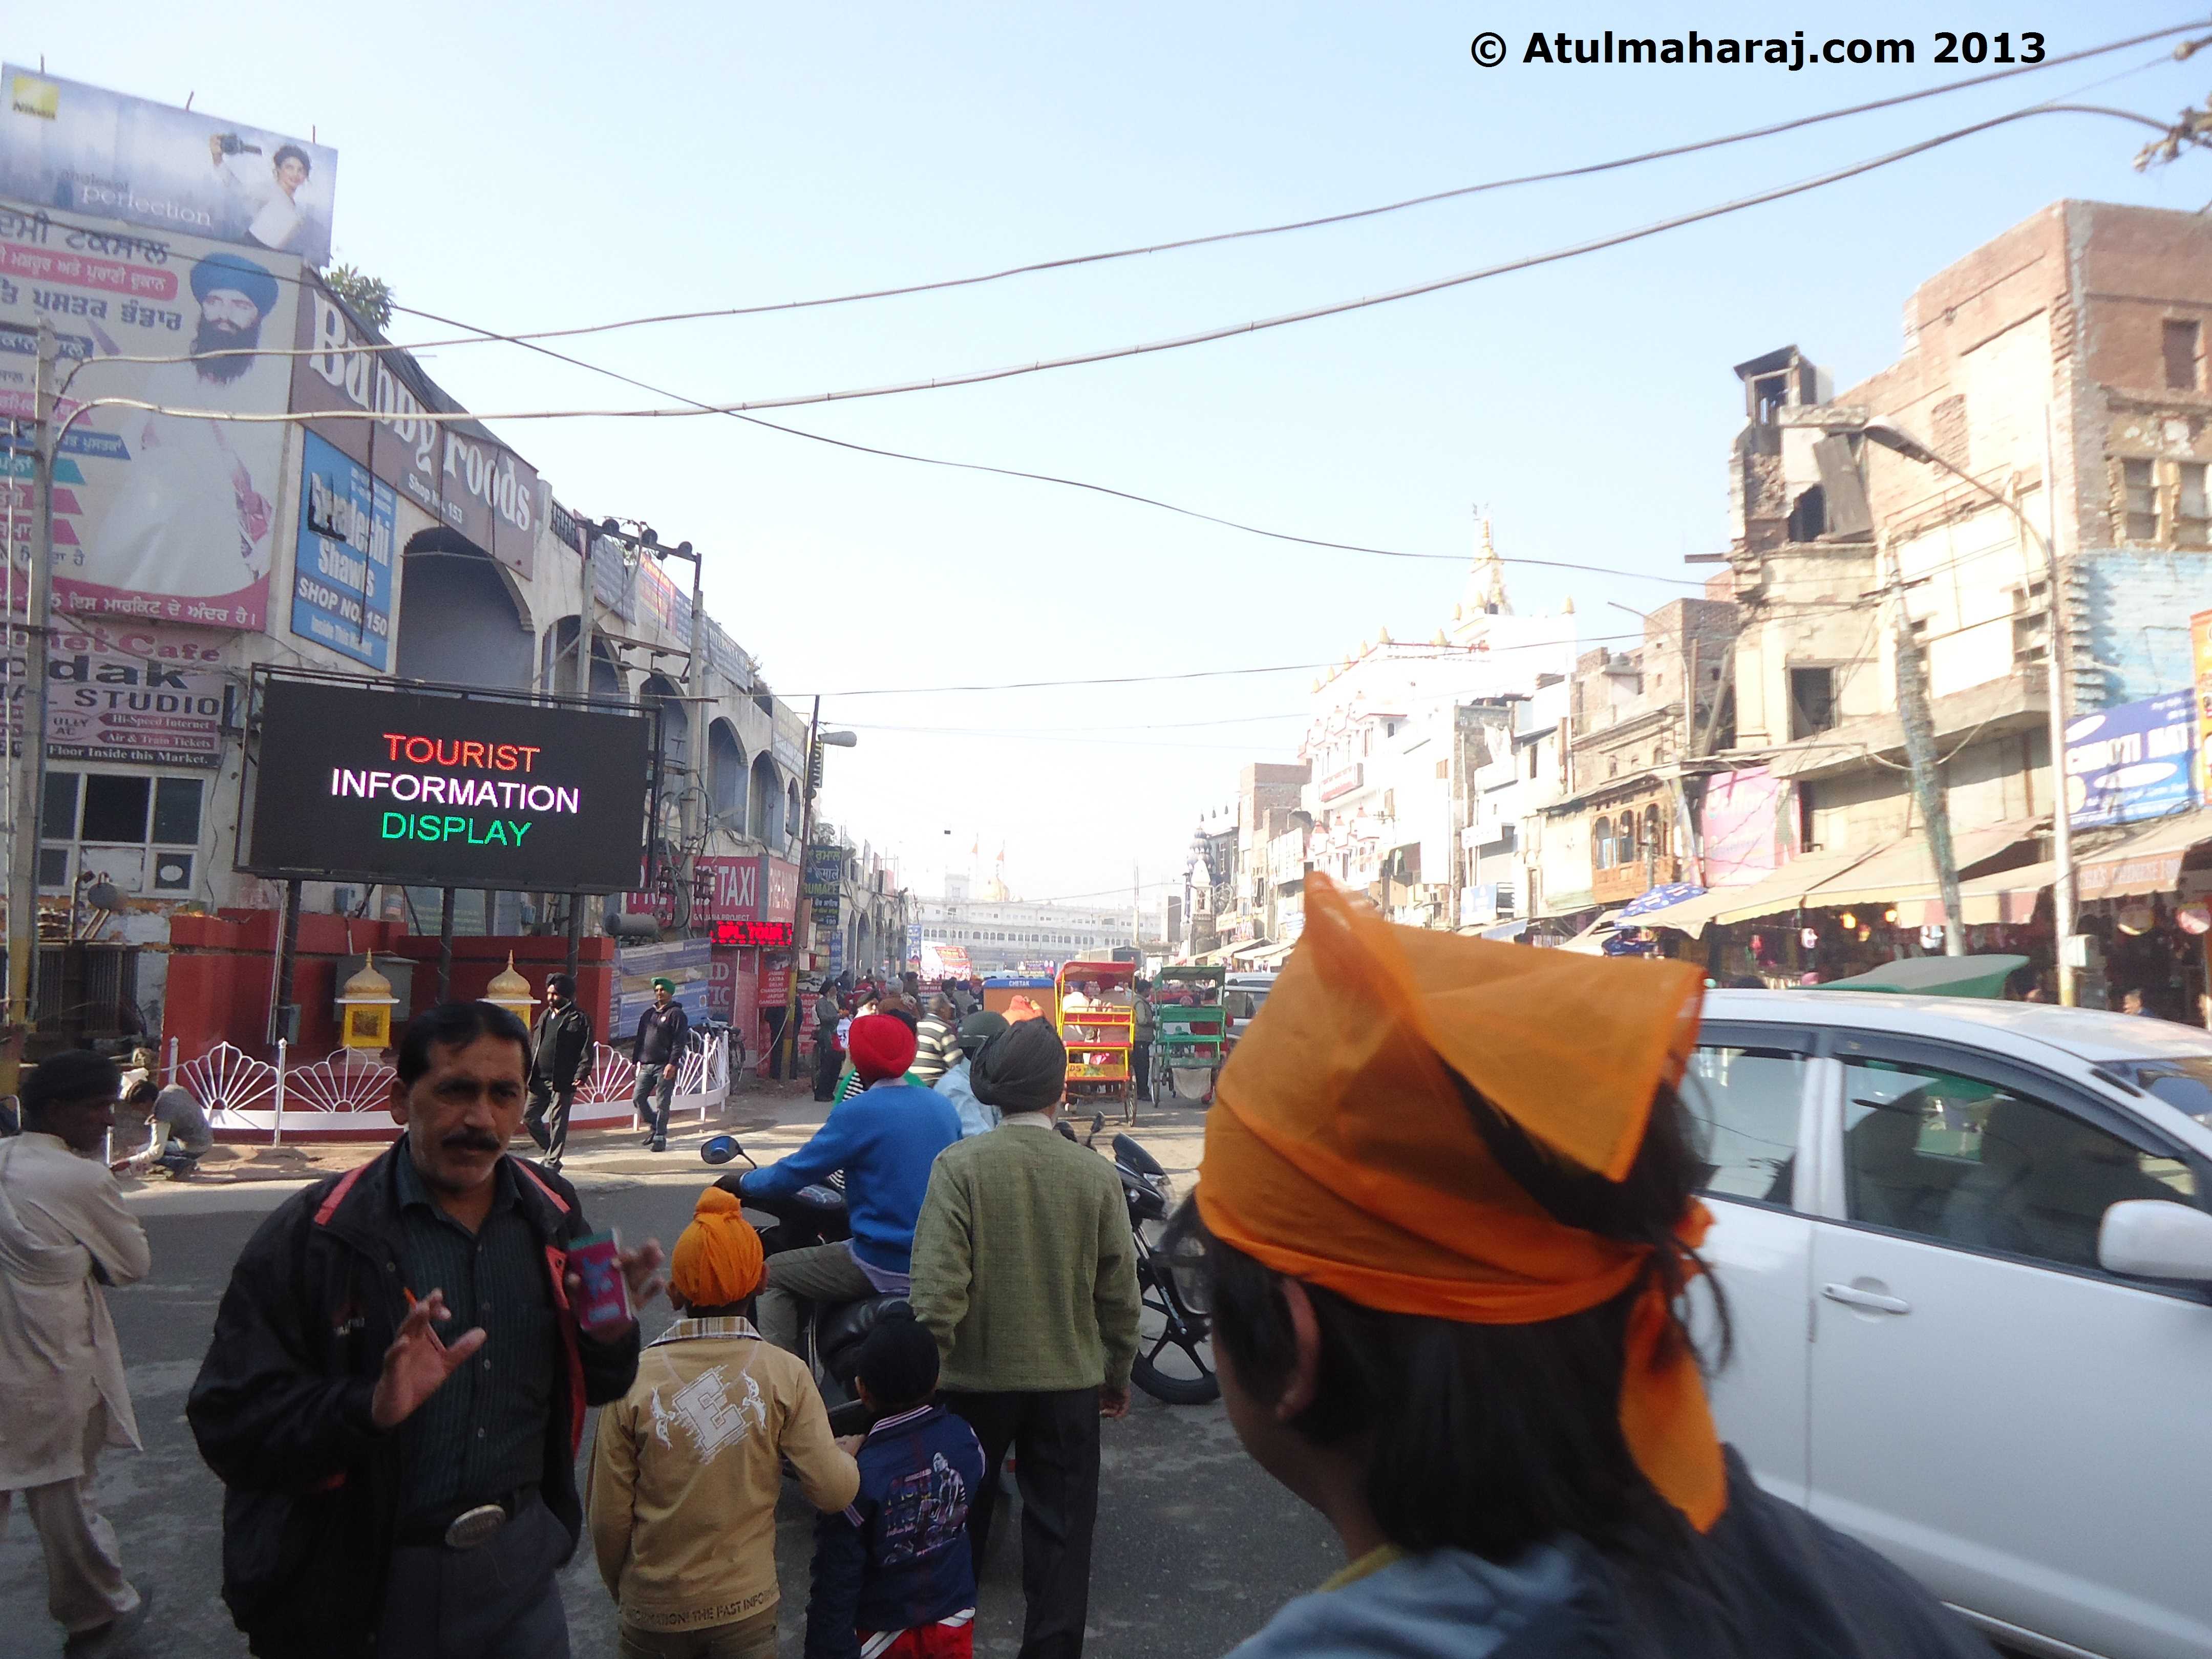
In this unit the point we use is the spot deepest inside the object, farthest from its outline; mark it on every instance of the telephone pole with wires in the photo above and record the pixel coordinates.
(28, 759)
(1927, 771)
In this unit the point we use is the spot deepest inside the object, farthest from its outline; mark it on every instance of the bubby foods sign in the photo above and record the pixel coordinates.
(442, 791)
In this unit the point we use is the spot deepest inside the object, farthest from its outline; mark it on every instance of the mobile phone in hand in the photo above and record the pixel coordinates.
(603, 1302)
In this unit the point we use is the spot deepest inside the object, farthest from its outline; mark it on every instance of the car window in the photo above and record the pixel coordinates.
(2185, 1081)
(1744, 1104)
(1956, 1158)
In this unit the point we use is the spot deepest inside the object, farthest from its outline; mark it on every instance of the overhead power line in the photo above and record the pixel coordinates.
(1434, 652)
(1309, 313)
(1551, 176)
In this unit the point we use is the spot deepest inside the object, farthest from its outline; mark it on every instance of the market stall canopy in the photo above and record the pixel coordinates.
(2147, 861)
(1781, 889)
(1592, 940)
(2009, 896)
(1659, 897)
(1266, 956)
(1936, 977)
(1907, 870)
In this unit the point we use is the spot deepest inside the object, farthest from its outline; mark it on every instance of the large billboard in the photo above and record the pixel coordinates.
(358, 783)
(96, 154)
(142, 696)
(2134, 762)
(455, 470)
(342, 573)
(169, 518)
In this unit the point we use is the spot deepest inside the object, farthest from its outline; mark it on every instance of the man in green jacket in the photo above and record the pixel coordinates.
(1024, 1272)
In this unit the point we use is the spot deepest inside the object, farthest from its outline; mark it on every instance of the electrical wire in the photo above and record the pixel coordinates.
(1435, 653)
(1203, 337)
(1554, 175)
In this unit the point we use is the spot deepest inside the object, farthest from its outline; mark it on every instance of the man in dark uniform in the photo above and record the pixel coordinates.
(657, 1054)
(560, 1061)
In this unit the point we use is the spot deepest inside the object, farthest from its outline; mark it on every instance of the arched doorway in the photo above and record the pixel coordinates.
(726, 777)
(460, 622)
(557, 664)
(767, 805)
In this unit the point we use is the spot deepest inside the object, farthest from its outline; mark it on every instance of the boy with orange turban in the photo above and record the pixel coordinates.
(685, 1474)
(1449, 1212)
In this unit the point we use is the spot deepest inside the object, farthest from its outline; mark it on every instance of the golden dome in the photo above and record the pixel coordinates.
(368, 985)
(509, 988)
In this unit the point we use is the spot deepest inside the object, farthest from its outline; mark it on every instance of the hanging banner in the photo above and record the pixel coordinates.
(168, 518)
(342, 570)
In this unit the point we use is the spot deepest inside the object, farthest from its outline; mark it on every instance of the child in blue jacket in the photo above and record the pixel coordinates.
(893, 1578)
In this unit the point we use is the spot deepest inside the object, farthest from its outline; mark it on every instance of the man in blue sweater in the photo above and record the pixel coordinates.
(893, 1577)
(884, 1139)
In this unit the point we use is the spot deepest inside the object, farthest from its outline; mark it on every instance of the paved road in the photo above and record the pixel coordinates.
(1195, 1547)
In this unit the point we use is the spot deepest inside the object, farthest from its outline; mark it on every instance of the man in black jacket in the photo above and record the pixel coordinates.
(392, 1493)
(657, 1054)
(560, 1061)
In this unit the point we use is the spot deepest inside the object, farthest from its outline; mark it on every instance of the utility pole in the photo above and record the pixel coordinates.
(2064, 905)
(803, 935)
(1913, 714)
(30, 756)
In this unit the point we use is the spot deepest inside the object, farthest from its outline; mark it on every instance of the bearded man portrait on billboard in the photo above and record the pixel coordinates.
(191, 517)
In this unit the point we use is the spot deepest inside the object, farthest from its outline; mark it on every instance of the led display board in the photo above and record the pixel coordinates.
(363, 784)
(770, 935)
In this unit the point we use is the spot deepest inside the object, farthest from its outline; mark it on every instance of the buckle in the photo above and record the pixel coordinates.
(475, 1526)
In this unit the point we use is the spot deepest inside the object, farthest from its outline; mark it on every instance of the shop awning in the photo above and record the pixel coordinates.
(1267, 956)
(1905, 869)
(1780, 889)
(2009, 896)
(2147, 861)
(1249, 952)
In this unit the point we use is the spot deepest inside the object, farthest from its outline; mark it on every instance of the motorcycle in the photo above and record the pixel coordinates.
(1174, 1362)
(1174, 1357)
(831, 1334)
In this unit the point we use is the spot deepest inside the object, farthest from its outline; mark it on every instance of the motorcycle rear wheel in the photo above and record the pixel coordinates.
(1172, 1365)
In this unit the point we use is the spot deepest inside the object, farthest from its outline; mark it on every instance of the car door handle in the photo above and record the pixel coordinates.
(1852, 1297)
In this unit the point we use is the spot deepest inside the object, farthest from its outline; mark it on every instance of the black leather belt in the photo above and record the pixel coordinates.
(465, 1526)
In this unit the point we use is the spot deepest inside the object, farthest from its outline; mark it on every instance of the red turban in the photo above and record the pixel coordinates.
(881, 1045)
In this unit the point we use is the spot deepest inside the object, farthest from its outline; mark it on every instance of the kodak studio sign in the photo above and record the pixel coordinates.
(405, 787)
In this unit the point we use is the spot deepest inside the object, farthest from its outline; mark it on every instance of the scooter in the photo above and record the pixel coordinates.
(831, 1334)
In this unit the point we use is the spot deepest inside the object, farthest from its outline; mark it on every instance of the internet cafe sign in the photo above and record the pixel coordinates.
(453, 471)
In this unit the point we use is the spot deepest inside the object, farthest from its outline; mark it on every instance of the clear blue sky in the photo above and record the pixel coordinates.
(548, 164)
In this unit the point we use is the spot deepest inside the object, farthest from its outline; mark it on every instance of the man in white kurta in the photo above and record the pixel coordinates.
(64, 1232)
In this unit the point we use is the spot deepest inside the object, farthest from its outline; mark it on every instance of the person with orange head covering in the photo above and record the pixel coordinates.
(687, 1466)
(1447, 1209)
(884, 1136)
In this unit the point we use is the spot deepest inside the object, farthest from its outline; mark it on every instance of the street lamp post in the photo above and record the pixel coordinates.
(2063, 906)
(802, 933)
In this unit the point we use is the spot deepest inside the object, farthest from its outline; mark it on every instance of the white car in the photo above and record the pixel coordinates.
(1966, 1250)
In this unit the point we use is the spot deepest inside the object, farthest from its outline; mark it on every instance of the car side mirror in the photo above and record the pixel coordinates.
(2152, 1239)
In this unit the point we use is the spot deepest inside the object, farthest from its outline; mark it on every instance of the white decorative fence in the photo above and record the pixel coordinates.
(340, 1097)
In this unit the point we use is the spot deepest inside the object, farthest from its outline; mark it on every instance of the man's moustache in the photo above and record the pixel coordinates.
(472, 1140)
